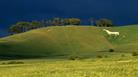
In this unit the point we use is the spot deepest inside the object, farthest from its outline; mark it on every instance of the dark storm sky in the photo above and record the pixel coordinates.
(122, 12)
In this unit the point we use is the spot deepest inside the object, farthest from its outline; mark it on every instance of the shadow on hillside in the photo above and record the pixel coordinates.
(16, 57)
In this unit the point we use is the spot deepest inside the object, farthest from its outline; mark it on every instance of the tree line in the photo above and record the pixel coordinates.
(20, 27)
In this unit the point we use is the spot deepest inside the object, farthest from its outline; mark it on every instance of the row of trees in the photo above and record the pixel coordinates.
(61, 21)
(20, 27)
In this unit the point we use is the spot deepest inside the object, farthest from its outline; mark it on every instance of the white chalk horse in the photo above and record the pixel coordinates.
(111, 33)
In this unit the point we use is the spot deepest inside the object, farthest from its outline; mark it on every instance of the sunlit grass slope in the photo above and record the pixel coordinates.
(66, 68)
(128, 39)
(69, 40)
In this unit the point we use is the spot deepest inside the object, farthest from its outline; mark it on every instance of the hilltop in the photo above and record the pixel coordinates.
(60, 41)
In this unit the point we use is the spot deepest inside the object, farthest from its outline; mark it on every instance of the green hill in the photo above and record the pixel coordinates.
(69, 40)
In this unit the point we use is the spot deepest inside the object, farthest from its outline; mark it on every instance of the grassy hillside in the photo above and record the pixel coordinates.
(128, 39)
(70, 40)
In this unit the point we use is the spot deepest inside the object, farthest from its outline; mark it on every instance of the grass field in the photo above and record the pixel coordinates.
(70, 51)
(103, 67)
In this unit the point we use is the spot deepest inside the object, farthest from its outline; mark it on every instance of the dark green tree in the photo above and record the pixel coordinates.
(14, 29)
(35, 25)
(104, 23)
(72, 21)
(57, 21)
(20, 27)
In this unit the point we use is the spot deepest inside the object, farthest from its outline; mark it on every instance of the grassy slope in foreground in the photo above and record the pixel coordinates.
(66, 68)
(71, 40)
